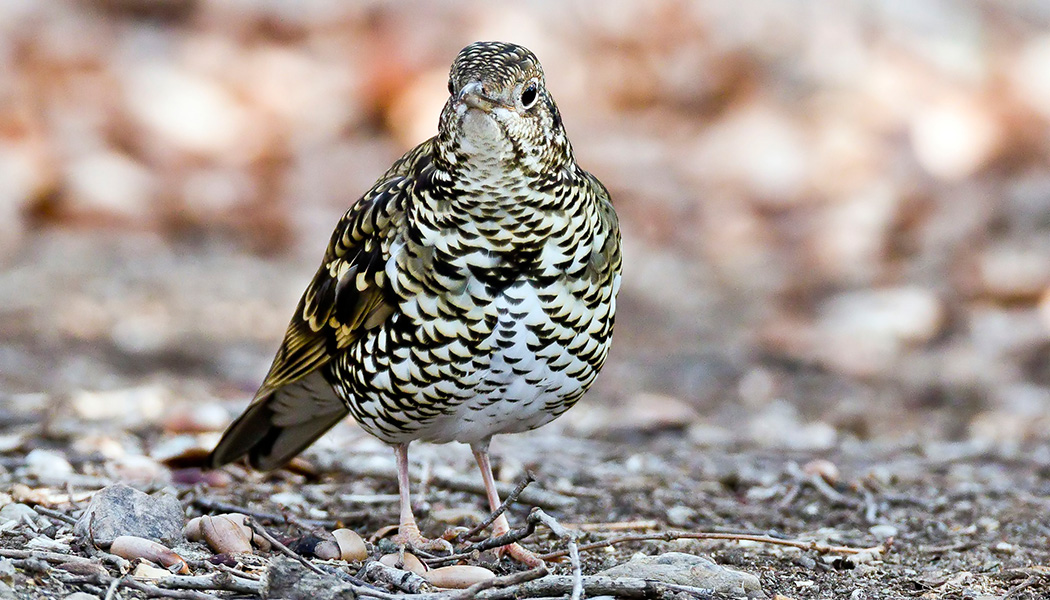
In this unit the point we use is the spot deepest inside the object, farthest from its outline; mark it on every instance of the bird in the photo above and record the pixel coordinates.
(470, 292)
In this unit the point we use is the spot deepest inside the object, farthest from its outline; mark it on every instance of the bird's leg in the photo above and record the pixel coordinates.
(500, 526)
(407, 531)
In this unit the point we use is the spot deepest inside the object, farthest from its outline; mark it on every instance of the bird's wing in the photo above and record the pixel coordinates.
(348, 296)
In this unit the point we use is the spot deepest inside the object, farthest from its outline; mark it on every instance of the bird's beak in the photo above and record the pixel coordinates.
(473, 95)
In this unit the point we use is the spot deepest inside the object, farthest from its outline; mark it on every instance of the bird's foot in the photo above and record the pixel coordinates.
(520, 554)
(408, 536)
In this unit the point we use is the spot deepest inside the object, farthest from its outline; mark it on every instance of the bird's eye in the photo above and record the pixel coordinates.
(529, 95)
(451, 88)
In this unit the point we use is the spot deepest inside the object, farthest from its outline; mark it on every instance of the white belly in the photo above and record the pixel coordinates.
(517, 385)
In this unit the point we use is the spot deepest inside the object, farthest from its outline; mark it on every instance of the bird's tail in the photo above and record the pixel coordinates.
(280, 424)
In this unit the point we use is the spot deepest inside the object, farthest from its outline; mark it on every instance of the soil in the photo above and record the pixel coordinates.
(944, 519)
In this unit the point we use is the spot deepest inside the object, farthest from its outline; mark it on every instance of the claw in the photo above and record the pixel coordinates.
(408, 536)
(520, 554)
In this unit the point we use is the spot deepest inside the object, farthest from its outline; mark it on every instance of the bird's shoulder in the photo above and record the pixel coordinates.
(350, 293)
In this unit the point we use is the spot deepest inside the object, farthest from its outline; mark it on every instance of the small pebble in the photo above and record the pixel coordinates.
(351, 547)
(1004, 548)
(47, 464)
(806, 562)
(17, 513)
(883, 532)
(224, 536)
(823, 468)
(411, 564)
(148, 571)
(458, 577)
(131, 548)
(680, 515)
(288, 499)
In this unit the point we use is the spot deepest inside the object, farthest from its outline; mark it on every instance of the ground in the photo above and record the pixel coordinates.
(947, 520)
(833, 328)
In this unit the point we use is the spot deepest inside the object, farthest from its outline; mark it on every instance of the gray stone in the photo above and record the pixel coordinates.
(121, 510)
(81, 596)
(694, 571)
(18, 512)
(288, 579)
(7, 570)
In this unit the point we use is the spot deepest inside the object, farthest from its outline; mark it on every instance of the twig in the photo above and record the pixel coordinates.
(211, 505)
(668, 536)
(512, 536)
(533, 496)
(615, 526)
(106, 580)
(504, 581)
(402, 579)
(221, 581)
(54, 514)
(574, 552)
(593, 585)
(257, 528)
(122, 564)
(51, 557)
(507, 502)
(360, 586)
(1017, 589)
(871, 508)
(689, 589)
(111, 592)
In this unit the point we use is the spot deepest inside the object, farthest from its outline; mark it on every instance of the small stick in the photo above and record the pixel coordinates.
(403, 580)
(503, 581)
(574, 552)
(507, 502)
(279, 519)
(114, 586)
(51, 557)
(257, 528)
(54, 514)
(615, 526)
(532, 496)
(1017, 589)
(360, 586)
(668, 536)
(220, 581)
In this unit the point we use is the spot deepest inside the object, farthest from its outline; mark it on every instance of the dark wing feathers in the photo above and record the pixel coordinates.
(295, 404)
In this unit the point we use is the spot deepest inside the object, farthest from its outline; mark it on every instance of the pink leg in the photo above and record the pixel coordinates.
(407, 531)
(500, 526)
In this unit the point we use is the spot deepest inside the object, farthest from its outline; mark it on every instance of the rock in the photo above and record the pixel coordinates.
(19, 513)
(80, 596)
(288, 579)
(883, 531)
(121, 510)
(45, 464)
(7, 570)
(687, 569)
(680, 515)
(864, 332)
(954, 137)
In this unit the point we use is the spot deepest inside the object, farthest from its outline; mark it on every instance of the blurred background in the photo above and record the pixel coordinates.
(836, 214)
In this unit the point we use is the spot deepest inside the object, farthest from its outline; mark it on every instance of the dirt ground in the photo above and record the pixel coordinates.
(946, 519)
(954, 520)
(833, 329)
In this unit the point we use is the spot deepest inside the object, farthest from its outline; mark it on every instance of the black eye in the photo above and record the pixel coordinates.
(451, 88)
(528, 95)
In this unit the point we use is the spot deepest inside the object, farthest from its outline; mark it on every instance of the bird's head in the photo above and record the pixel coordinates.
(499, 110)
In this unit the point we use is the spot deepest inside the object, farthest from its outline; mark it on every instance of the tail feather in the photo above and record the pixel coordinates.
(281, 424)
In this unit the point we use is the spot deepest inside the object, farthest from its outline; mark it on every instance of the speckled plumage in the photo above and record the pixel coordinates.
(470, 292)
